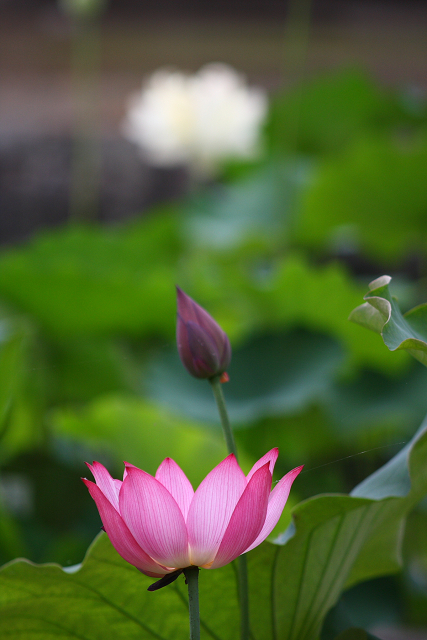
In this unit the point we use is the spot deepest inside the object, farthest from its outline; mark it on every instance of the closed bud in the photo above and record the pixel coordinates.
(203, 346)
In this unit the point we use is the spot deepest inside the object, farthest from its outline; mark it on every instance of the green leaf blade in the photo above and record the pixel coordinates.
(334, 543)
(337, 538)
(381, 314)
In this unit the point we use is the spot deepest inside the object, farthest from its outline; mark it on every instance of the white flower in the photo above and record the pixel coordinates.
(199, 119)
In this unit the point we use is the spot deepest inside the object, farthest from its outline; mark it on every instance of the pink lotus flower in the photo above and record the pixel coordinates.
(160, 524)
(203, 346)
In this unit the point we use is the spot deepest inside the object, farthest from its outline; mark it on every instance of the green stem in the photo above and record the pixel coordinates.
(242, 567)
(226, 427)
(192, 580)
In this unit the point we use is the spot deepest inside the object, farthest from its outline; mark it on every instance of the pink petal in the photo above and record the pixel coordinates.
(125, 472)
(106, 483)
(270, 456)
(172, 477)
(204, 350)
(190, 311)
(154, 518)
(120, 536)
(211, 509)
(276, 504)
(248, 518)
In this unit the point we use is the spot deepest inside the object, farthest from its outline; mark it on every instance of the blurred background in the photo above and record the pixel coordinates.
(277, 239)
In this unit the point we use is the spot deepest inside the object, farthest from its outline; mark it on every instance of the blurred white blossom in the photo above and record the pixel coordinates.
(199, 120)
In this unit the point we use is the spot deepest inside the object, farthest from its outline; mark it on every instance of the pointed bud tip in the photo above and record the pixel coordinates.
(203, 346)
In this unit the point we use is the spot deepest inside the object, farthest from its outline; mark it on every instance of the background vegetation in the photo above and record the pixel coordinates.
(279, 251)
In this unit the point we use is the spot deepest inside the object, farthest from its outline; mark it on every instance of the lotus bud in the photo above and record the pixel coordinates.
(203, 346)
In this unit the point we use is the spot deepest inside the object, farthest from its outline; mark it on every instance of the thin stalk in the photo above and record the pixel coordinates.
(192, 580)
(86, 151)
(242, 567)
(222, 409)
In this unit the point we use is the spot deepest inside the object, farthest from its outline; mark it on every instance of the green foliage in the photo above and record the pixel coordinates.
(130, 429)
(355, 634)
(11, 347)
(250, 291)
(84, 284)
(375, 403)
(88, 367)
(358, 198)
(83, 280)
(88, 336)
(329, 112)
(272, 375)
(21, 388)
(259, 208)
(339, 626)
(336, 540)
(381, 314)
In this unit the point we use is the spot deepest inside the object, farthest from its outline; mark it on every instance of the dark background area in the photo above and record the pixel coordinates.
(271, 8)
(37, 108)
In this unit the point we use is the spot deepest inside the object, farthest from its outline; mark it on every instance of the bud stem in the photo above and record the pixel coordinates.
(242, 567)
(222, 409)
(192, 580)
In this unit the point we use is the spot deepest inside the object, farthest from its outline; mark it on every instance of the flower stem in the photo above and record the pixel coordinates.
(222, 409)
(242, 567)
(192, 580)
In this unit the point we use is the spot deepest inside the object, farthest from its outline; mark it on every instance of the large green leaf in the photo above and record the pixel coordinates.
(107, 598)
(339, 626)
(89, 280)
(377, 405)
(370, 198)
(335, 541)
(341, 540)
(366, 606)
(285, 374)
(259, 207)
(271, 375)
(381, 313)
